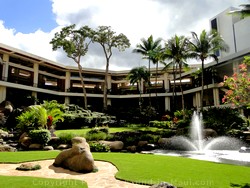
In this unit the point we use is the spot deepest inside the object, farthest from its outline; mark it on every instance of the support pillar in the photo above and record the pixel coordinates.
(167, 104)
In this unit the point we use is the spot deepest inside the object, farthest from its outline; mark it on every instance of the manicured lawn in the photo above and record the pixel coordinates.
(150, 169)
(182, 172)
(24, 156)
(111, 130)
(31, 182)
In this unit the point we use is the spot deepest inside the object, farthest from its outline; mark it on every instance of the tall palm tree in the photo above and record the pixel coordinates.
(244, 12)
(136, 76)
(147, 48)
(203, 47)
(176, 50)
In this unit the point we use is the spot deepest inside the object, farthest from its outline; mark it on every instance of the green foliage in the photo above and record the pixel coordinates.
(160, 124)
(95, 136)
(27, 167)
(238, 93)
(151, 138)
(65, 138)
(214, 118)
(42, 136)
(36, 116)
(98, 147)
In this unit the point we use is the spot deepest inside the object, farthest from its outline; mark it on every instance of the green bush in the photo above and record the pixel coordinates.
(41, 136)
(222, 119)
(98, 147)
(151, 138)
(90, 136)
(160, 124)
(65, 138)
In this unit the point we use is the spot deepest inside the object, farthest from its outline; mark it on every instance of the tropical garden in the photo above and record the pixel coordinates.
(47, 120)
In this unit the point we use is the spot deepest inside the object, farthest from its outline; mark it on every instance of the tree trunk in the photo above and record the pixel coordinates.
(149, 83)
(182, 96)
(105, 88)
(83, 85)
(202, 84)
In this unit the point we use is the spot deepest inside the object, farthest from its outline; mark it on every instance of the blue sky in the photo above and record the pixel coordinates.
(30, 25)
(27, 16)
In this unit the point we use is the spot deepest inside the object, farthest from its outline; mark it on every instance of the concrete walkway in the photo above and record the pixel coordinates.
(104, 178)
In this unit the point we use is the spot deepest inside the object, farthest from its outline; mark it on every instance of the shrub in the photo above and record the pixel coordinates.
(222, 119)
(65, 138)
(98, 147)
(151, 138)
(90, 136)
(160, 124)
(40, 136)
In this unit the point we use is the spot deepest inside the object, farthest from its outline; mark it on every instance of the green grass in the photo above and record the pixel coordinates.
(182, 172)
(82, 132)
(31, 182)
(25, 156)
(146, 169)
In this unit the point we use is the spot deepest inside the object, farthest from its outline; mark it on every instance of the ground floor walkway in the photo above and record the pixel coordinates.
(104, 178)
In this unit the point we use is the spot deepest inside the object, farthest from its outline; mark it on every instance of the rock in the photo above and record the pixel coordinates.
(25, 140)
(3, 134)
(78, 140)
(78, 158)
(35, 146)
(8, 148)
(207, 133)
(244, 149)
(132, 148)
(164, 142)
(142, 143)
(113, 145)
(163, 185)
(28, 166)
(48, 148)
(63, 146)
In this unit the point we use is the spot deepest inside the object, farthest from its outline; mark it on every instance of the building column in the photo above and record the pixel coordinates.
(2, 93)
(167, 104)
(216, 97)
(67, 100)
(34, 94)
(166, 82)
(109, 82)
(67, 81)
(35, 78)
(197, 100)
(109, 102)
(5, 66)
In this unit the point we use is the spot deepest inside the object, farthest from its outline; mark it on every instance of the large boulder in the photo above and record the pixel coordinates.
(163, 185)
(113, 145)
(78, 158)
(207, 133)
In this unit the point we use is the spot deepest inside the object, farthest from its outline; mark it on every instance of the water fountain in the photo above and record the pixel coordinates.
(218, 149)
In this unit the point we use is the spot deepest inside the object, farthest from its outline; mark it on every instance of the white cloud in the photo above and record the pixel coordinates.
(135, 18)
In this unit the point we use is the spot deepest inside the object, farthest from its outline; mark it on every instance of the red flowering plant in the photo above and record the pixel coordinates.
(238, 93)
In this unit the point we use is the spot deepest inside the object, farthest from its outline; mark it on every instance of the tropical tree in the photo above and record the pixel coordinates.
(176, 50)
(147, 49)
(39, 117)
(244, 12)
(203, 47)
(75, 43)
(238, 93)
(137, 76)
(108, 40)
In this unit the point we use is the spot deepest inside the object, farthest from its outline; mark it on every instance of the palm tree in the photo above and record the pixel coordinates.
(203, 47)
(147, 48)
(137, 76)
(244, 12)
(176, 50)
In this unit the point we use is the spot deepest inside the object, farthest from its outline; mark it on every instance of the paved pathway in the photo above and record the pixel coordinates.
(104, 178)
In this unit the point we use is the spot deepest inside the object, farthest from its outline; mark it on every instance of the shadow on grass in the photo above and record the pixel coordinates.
(246, 185)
